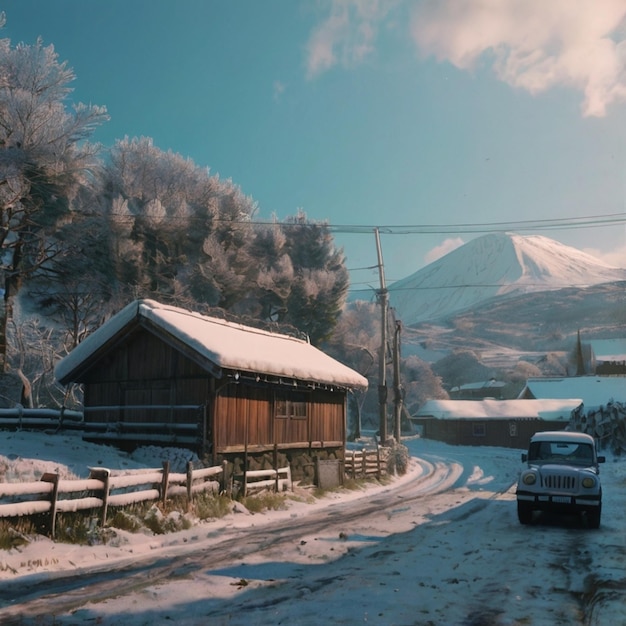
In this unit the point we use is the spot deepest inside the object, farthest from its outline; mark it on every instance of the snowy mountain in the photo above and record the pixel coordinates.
(495, 265)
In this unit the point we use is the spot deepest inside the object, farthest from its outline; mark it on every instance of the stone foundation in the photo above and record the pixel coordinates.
(301, 461)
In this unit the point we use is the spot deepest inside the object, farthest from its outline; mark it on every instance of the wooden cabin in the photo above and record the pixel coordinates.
(156, 374)
(503, 423)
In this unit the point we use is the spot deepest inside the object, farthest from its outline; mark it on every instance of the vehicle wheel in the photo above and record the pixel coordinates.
(524, 512)
(593, 517)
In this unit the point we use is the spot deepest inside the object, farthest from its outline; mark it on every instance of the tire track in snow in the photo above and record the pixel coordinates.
(57, 594)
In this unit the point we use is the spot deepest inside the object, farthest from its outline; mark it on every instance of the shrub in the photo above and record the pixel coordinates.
(14, 534)
(211, 506)
(265, 501)
(398, 461)
(125, 521)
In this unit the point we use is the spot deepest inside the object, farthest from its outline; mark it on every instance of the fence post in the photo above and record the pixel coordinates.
(165, 480)
(54, 479)
(189, 482)
(378, 473)
(364, 462)
(224, 476)
(103, 476)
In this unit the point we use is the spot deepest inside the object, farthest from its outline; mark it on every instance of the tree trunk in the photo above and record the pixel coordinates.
(5, 313)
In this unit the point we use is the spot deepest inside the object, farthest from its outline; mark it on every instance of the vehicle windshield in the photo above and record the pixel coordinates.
(560, 452)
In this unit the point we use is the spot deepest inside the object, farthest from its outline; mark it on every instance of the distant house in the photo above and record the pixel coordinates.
(506, 423)
(491, 388)
(608, 356)
(161, 374)
(595, 391)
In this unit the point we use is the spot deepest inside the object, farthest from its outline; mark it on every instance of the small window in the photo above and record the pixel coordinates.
(513, 429)
(479, 429)
(292, 405)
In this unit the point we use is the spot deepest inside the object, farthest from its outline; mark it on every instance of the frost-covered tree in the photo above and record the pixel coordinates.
(44, 161)
(420, 384)
(157, 204)
(321, 278)
(275, 272)
(176, 232)
(461, 367)
(226, 266)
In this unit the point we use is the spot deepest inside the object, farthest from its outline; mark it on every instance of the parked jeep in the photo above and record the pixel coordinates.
(562, 476)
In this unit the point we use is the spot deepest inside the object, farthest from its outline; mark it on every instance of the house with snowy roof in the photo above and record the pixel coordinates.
(490, 422)
(594, 391)
(164, 375)
(491, 388)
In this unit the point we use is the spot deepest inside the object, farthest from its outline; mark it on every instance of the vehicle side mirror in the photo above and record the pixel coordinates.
(525, 457)
(601, 459)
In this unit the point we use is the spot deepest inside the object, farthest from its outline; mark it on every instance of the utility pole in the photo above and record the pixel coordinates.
(382, 371)
(397, 385)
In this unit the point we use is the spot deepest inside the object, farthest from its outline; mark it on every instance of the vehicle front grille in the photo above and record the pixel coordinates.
(558, 481)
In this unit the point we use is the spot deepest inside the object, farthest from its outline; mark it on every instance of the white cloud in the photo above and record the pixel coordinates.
(533, 44)
(441, 250)
(347, 36)
(615, 257)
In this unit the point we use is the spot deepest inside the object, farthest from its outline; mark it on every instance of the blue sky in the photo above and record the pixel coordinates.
(371, 112)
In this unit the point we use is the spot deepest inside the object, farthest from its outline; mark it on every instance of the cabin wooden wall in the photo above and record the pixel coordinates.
(245, 417)
(144, 371)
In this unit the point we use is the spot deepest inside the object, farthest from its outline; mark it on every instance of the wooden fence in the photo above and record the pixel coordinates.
(279, 479)
(364, 463)
(40, 419)
(104, 489)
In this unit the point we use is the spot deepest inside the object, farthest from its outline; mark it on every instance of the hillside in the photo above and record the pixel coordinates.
(527, 325)
(496, 265)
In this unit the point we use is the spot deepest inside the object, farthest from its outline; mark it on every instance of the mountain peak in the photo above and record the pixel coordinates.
(496, 264)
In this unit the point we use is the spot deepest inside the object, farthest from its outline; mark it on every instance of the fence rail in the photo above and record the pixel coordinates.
(20, 417)
(102, 490)
(279, 479)
(187, 432)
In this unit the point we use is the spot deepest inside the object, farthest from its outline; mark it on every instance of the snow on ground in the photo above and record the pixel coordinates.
(440, 545)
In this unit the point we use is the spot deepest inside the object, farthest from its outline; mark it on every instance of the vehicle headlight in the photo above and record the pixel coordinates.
(588, 482)
(529, 479)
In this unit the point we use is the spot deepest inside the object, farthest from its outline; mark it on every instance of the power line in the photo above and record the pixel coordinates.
(482, 227)
(589, 221)
(464, 286)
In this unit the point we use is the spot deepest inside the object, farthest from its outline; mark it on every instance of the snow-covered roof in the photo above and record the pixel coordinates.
(226, 344)
(609, 349)
(550, 410)
(595, 391)
(488, 384)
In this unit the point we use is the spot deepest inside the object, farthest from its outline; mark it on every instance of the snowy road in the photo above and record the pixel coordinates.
(441, 546)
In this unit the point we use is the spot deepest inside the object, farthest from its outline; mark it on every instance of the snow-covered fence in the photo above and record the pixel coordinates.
(276, 479)
(104, 489)
(35, 419)
(364, 463)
